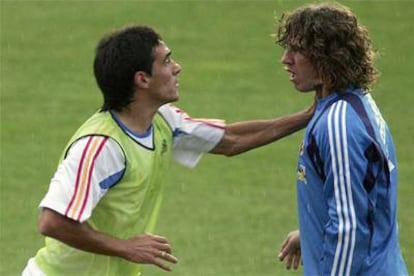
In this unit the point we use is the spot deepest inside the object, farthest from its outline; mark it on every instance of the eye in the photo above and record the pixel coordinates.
(292, 48)
(167, 60)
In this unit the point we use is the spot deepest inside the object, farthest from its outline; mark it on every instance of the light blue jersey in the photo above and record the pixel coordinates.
(347, 190)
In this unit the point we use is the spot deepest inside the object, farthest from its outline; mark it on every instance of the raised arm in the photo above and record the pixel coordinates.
(243, 136)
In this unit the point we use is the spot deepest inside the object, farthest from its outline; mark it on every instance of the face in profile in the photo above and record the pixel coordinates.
(164, 82)
(303, 74)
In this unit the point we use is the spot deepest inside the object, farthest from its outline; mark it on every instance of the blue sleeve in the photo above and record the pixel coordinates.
(347, 233)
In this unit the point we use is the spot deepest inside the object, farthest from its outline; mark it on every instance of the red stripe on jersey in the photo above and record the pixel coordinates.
(206, 122)
(85, 150)
(85, 200)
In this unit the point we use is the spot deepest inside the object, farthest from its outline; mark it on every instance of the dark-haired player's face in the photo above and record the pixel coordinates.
(303, 74)
(164, 79)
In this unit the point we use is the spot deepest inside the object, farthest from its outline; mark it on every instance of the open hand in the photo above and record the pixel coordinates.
(150, 249)
(290, 250)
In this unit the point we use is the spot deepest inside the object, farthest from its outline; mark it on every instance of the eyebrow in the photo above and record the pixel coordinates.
(167, 55)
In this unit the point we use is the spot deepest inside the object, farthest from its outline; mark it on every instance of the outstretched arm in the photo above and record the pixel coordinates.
(144, 249)
(243, 136)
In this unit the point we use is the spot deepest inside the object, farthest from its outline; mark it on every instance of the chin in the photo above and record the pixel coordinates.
(304, 89)
(174, 99)
(177, 96)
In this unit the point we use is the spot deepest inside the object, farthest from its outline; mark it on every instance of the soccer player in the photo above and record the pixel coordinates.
(347, 169)
(103, 201)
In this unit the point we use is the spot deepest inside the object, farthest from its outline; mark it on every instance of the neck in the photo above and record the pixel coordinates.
(137, 117)
(322, 92)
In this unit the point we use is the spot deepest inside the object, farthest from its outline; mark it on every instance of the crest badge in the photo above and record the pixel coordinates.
(301, 173)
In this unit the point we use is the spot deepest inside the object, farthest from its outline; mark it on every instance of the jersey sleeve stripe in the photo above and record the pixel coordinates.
(84, 172)
(78, 176)
(348, 182)
(342, 189)
(91, 167)
(335, 183)
(209, 122)
(94, 145)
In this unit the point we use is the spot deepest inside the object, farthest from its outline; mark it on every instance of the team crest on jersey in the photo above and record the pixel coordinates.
(301, 149)
(301, 173)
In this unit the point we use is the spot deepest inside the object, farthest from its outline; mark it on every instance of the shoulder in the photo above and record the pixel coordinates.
(95, 146)
(339, 119)
(170, 110)
(342, 124)
(179, 119)
(172, 114)
(342, 114)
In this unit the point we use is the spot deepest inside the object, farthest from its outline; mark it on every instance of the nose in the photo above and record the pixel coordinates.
(177, 68)
(286, 57)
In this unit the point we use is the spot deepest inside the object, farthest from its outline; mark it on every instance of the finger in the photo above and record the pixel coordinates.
(168, 257)
(284, 244)
(161, 264)
(292, 265)
(163, 247)
(164, 256)
(160, 239)
(284, 251)
(296, 261)
(289, 261)
(282, 255)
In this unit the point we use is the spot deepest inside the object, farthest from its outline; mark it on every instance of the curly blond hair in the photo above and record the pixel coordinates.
(329, 35)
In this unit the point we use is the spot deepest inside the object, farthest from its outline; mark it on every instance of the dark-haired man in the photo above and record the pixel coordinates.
(104, 198)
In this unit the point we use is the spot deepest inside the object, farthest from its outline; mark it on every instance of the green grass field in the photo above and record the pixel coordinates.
(228, 216)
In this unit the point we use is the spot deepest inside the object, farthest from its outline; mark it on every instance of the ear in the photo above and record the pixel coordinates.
(141, 79)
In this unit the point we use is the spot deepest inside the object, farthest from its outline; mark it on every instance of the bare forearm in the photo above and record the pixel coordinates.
(79, 235)
(244, 136)
(261, 133)
(144, 248)
(273, 128)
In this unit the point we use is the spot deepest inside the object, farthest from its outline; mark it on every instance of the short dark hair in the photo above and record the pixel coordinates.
(330, 36)
(118, 56)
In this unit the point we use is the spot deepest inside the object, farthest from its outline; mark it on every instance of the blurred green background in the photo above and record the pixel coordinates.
(228, 216)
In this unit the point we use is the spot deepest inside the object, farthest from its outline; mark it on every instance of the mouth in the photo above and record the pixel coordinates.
(292, 74)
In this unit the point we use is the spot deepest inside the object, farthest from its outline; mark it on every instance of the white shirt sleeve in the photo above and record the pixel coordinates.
(191, 137)
(93, 164)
